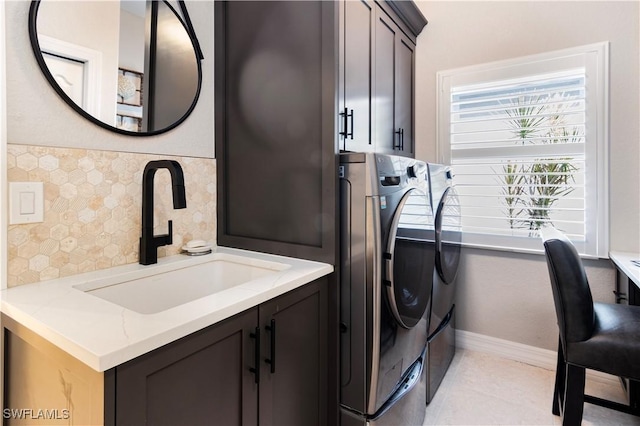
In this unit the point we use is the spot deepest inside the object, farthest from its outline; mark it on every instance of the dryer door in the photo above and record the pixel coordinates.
(448, 235)
(410, 258)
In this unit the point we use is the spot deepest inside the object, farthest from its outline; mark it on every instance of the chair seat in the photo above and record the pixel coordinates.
(614, 347)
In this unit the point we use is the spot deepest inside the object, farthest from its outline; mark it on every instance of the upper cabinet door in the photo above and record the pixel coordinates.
(404, 105)
(386, 33)
(394, 87)
(355, 104)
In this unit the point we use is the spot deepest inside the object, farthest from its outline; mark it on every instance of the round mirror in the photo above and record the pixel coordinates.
(132, 67)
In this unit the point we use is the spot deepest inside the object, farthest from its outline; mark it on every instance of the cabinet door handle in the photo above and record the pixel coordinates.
(272, 360)
(350, 134)
(345, 115)
(400, 133)
(256, 354)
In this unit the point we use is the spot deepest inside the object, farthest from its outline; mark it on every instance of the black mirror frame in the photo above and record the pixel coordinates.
(186, 23)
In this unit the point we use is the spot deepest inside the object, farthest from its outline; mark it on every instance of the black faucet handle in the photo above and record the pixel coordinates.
(169, 239)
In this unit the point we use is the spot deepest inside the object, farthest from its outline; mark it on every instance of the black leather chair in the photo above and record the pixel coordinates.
(597, 336)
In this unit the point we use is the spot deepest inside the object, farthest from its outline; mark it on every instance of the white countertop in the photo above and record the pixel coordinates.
(623, 261)
(103, 335)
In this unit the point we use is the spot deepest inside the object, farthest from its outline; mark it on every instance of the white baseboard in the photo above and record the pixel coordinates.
(531, 355)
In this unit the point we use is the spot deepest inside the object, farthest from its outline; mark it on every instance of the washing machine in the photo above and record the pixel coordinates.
(448, 231)
(387, 230)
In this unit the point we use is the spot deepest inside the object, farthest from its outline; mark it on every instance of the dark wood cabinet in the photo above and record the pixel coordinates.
(295, 82)
(394, 86)
(376, 97)
(384, 83)
(216, 377)
(293, 383)
(356, 75)
(628, 293)
(405, 99)
(201, 379)
(275, 101)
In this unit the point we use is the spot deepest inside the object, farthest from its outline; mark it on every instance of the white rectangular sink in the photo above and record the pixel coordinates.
(158, 292)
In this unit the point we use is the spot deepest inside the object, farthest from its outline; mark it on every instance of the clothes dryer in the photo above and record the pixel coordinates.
(448, 230)
(387, 267)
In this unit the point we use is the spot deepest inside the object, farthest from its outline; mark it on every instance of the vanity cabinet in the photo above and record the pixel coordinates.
(264, 366)
(293, 375)
(198, 380)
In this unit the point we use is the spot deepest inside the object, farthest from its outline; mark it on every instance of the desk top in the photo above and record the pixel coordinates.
(623, 262)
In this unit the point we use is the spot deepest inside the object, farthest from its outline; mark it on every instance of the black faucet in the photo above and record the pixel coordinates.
(149, 243)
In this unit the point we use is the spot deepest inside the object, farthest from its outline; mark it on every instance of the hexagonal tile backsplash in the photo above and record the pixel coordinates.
(93, 208)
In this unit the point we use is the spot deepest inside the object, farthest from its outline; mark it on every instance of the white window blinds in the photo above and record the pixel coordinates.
(523, 144)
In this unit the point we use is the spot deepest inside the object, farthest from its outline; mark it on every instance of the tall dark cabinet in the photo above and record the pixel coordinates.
(276, 142)
(295, 83)
(275, 126)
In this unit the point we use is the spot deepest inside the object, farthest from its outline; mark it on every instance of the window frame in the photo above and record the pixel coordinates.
(594, 58)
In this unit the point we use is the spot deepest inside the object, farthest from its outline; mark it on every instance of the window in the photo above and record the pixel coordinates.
(527, 142)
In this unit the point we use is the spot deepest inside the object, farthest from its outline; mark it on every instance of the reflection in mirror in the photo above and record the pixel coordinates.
(129, 66)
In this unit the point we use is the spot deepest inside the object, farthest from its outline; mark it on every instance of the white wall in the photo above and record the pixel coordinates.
(37, 116)
(132, 50)
(96, 26)
(508, 295)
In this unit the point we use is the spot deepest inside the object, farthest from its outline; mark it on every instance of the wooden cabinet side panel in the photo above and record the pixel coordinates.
(201, 379)
(45, 385)
(296, 392)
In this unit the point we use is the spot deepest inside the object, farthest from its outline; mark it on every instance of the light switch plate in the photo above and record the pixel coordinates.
(26, 202)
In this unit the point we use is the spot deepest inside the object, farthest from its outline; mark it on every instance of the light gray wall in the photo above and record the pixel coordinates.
(37, 116)
(132, 52)
(508, 295)
(95, 26)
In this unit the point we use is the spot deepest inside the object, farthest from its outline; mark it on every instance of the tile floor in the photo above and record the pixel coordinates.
(482, 389)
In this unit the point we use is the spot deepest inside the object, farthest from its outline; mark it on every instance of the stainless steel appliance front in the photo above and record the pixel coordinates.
(387, 265)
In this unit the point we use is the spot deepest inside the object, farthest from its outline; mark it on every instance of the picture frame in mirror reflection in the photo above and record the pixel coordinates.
(130, 100)
(130, 87)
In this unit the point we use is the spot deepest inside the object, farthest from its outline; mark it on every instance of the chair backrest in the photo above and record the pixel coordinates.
(571, 293)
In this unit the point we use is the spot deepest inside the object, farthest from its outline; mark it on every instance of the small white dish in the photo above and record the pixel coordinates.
(197, 249)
